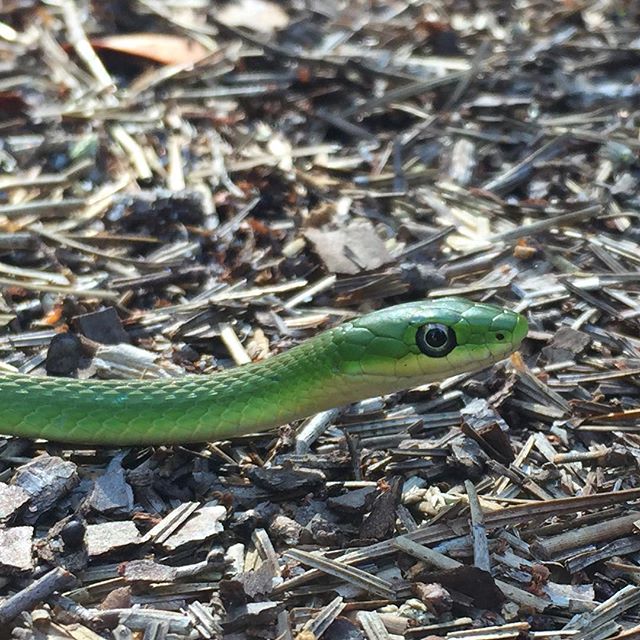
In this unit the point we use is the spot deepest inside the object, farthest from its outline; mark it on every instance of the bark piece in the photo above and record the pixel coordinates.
(204, 524)
(111, 492)
(380, 522)
(46, 479)
(15, 548)
(102, 326)
(351, 249)
(110, 536)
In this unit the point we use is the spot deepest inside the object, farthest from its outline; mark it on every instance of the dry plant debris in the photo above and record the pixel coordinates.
(189, 186)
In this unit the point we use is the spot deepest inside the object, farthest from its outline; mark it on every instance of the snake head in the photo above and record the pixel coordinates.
(419, 342)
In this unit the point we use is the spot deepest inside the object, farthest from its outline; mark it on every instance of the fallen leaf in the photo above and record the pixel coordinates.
(158, 47)
(351, 249)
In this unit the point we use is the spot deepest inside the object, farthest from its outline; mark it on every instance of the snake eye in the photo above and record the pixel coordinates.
(435, 340)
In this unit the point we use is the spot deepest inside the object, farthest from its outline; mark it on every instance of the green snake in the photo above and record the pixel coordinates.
(385, 351)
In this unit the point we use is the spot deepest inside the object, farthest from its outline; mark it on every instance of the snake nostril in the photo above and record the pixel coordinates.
(499, 336)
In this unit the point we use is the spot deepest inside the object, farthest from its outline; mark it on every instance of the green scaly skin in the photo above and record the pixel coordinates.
(373, 355)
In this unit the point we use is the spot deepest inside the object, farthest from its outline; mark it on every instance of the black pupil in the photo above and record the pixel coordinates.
(436, 337)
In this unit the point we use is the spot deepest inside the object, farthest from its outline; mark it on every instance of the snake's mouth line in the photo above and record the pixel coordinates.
(478, 364)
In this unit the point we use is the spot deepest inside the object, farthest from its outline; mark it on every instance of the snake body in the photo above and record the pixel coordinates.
(382, 352)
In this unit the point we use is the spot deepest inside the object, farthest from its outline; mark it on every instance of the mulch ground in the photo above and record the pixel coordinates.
(189, 186)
